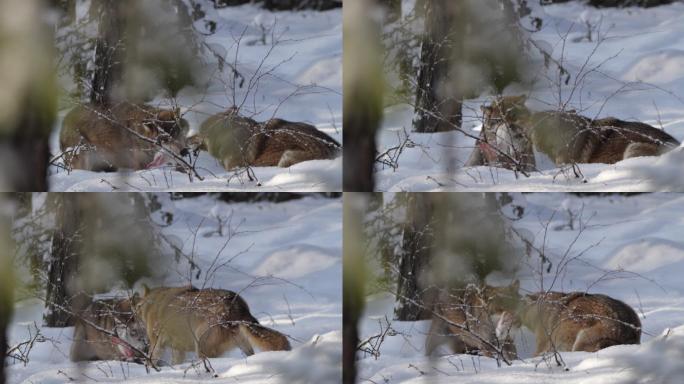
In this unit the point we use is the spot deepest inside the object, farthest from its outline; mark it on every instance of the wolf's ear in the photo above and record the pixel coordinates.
(515, 286)
(146, 290)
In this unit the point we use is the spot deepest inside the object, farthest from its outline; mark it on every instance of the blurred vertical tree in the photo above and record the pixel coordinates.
(64, 259)
(468, 47)
(6, 284)
(392, 10)
(353, 280)
(100, 240)
(363, 94)
(27, 95)
(450, 240)
(415, 258)
(110, 48)
(438, 101)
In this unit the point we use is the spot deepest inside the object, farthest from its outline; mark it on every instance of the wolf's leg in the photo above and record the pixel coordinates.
(291, 157)
(435, 336)
(591, 340)
(543, 343)
(641, 149)
(156, 349)
(244, 345)
(475, 158)
(177, 356)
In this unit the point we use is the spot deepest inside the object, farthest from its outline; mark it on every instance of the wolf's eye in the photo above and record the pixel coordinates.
(134, 333)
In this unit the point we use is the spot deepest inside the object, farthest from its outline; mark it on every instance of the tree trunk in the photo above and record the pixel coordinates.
(392, 10)
(415, 259)
(25, 125)
(6, 291)
(363, 94)
(353, 281)
(109, 50)
(438, 107)
(64, 260)
(29, 148)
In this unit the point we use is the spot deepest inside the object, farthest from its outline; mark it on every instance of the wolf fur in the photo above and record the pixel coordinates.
(206, 321)
(566, 137)
(113, 315)
(106, 145)
(239, 141)
(578, 321)
(462, 321)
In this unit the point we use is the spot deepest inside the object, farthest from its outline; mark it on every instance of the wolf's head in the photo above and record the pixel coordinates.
(130, 330)
(505, 108)
(502, 299)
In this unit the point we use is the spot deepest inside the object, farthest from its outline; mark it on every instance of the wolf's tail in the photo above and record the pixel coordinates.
(264, 338)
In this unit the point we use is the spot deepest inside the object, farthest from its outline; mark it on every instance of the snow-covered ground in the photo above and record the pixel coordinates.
(300, 80)
(286, 263)
(639, 76)
(633, 251)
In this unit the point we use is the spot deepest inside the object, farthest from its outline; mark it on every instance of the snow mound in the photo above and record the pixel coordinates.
(324, 73)
(657, 361)
(297, 261)
(658, 68)
(319, 361)
(647, 255)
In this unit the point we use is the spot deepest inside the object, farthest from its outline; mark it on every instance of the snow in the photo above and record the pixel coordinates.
(301, 81)
(285, 259)
(640, 78)
(632, 251)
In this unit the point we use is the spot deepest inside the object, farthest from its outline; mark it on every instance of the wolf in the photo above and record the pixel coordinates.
(503, 142)
(566, 137)
(106, 138)
(575, 321)
(463, 321)
(208, 322)
(125, 339)
(239, 141)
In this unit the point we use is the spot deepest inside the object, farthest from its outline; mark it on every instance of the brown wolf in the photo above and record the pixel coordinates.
(206, 321)
(240, 141)
(577, 321)
(502, 142)
(463, 321)
(104, 142)
(565, 137)
(117, 317)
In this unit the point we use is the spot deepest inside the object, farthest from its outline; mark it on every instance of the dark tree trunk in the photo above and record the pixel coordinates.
(24, 148)
(6, 307)
(413, 302)
(353, 282)
(109, 50)
(350, 341)
(64, 260)
(437, 109)
(29, 148)
(363, 96)
(392, 10)
(68, 10)
(360, 125)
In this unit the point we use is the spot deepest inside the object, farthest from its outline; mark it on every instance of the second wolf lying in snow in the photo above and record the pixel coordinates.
(573, 321)
(510, 132)
(208, 322)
